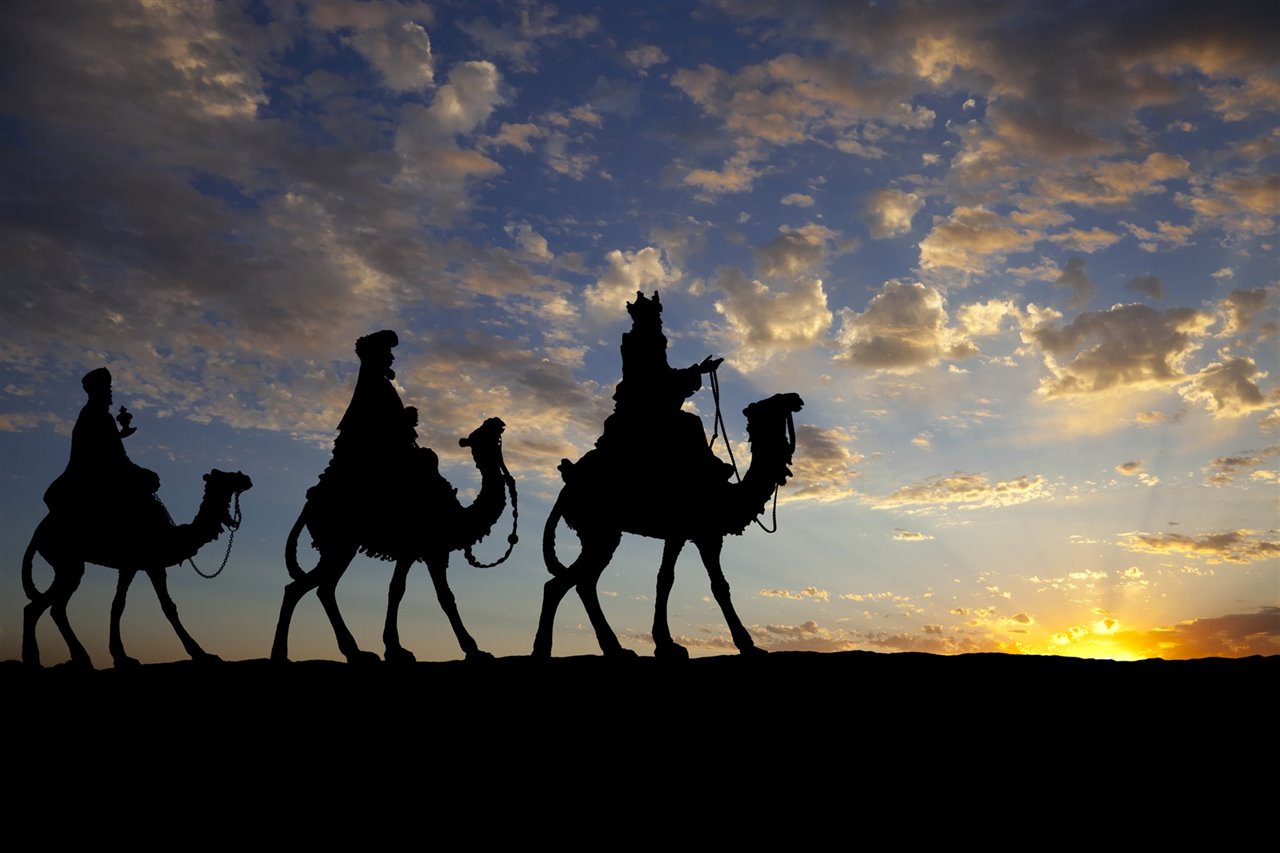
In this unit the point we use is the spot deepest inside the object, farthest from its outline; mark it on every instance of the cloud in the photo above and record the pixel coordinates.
(646, 56)
(889, 212)
(798, 200)
(1073, 276)
(1241, 307)
(1148, 285)
(401, 52)
(823, 465)
(532, 244)
(793, 251)
(1114, 182)
(808, 592)
(1230, 546)
(1085, 241)
(1225, 469)
(1233, 635)
(519, 39)
(905, 327)
(765, 319)
(1126, 346)
(1166, 234)
(626, 273)
(1228, 389)
(971, 238)
(901, 535)
(1129, 469)
(966, 491)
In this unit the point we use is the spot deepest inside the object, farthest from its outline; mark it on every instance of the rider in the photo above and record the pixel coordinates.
(648, 422)
(376, 458)
(100, 479)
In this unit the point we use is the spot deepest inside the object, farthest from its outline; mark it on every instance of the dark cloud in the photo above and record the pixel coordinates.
(1075, 278)
(1148, 285)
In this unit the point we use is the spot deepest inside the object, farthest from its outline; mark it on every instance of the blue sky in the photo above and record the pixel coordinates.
(1018, 259)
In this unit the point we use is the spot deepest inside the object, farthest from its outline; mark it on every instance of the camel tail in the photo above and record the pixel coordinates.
(291, 547)
(28, 582)
(554, 566)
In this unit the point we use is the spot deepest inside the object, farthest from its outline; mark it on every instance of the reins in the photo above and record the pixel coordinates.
(233, 525)
(718, 428)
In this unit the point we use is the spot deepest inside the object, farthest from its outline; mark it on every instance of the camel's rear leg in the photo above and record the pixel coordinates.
(664, 646)
(160, 581)
(553, 591)
(710, 550)
(115, 644)
(593, 560)
(330, 572)
(66, 580)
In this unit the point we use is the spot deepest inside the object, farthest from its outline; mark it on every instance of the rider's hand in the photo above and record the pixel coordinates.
(709, 364)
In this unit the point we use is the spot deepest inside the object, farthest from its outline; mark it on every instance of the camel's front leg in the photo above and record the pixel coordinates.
(115, 644)
(438, 566)
(664, 646)
(709, 548)
(396, 653)
(160, 580)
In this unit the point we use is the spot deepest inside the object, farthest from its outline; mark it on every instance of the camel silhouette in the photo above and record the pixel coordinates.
(597, 503)
(426, 531)
(68, 540)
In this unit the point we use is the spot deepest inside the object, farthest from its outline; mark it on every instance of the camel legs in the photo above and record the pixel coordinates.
(583, 575)
(325, 576)
(116, 645)
(160, 582)
(664, 646)
(66, 579)
(709, 548)
(396, 653)
(437, 566)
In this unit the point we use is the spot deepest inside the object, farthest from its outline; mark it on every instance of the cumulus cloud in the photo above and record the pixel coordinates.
(966, 491)
(1241, 307)
(764, 319)
(1232, 635)
(1229, 388)
(518, 39)
(889, 212)
(793, 251)
(1085, 241)
(646, 56)
(401, 52)
(1114, 182)
(798, 200)
(1227, 546)
(626, 273)
(906, 327)
(824, 465)
(971, 238)
(901, 535)
(1125, 346)
(1129, 469)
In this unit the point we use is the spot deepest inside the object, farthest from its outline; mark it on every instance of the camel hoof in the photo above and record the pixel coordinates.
(479, 655)
(622, 654)
(399, 656)
(363, 658)
(671, 651)
(77, 665)
(206, 659)
(752, 652)
(126, 662)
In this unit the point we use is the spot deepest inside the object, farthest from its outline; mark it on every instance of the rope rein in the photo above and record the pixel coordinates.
(718, 428)
(515, 521)
(233, 525)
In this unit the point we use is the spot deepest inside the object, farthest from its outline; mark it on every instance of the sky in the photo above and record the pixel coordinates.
(1019, 260)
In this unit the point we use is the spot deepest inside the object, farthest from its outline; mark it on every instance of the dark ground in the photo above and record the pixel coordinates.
(807, 727)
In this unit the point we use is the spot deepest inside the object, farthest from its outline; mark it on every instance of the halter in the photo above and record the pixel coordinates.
(515, 520)
(233, 525)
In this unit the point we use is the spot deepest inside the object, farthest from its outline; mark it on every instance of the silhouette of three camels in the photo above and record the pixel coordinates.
(595, 502)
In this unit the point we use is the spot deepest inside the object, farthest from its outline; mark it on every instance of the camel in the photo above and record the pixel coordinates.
(65, 544)
(593, 504)
(448, 526)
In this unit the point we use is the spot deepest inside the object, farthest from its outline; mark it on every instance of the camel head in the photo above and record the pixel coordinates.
(767, 418)
(485, 441)
(222, 485)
